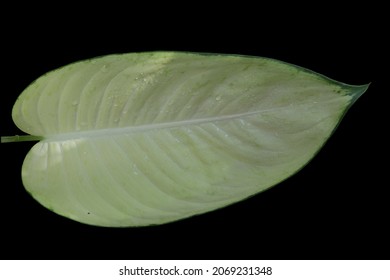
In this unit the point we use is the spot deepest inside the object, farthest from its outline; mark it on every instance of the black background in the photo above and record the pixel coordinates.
(335, 208)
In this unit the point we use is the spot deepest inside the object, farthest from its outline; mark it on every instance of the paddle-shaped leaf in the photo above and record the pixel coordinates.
(148, 138)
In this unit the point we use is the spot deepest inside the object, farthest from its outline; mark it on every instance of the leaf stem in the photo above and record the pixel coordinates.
(20, 138)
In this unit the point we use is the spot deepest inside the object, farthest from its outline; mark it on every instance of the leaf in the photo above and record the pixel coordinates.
(149, 138)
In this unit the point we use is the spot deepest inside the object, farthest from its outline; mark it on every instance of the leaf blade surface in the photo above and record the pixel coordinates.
(149, 138)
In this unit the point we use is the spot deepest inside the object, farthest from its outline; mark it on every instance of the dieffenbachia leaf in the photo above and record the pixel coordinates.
(149, 138)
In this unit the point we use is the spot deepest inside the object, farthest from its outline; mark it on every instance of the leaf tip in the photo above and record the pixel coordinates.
(357, 91)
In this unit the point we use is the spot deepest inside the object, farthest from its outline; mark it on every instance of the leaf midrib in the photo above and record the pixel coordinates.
(108, 132)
